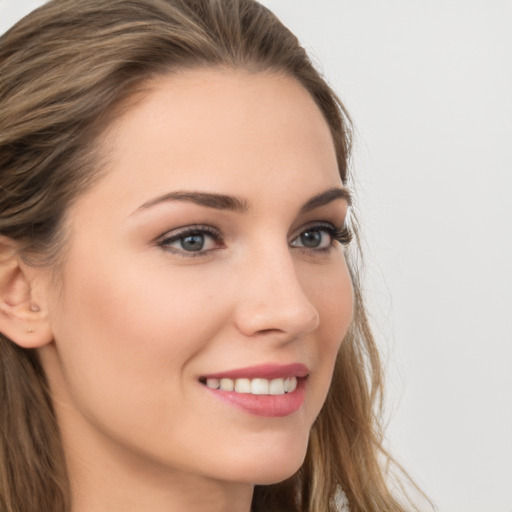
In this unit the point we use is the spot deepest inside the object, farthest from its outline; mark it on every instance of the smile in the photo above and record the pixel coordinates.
(257, 386)
(266, 390)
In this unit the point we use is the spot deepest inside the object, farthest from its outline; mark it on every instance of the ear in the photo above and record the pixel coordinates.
(23, 315)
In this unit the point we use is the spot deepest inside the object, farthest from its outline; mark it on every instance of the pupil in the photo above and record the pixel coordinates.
(192, 242)
(311, 238)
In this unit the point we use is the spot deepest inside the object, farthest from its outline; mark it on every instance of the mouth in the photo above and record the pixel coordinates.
(265, 390)
(257, 386)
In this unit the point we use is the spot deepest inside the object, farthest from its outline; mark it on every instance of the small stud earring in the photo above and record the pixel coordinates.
(30, 330)
(34, 308)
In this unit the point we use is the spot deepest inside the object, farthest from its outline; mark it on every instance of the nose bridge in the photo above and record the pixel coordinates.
(274, 300)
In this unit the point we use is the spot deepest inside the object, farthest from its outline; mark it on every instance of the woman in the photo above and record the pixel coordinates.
(182, 323)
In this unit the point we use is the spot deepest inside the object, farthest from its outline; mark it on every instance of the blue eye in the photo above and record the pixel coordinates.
(313, 239)
(192, 241)
(321, 237)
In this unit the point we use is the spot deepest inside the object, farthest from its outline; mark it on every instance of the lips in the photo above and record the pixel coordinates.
(264, 390)
(266, 371)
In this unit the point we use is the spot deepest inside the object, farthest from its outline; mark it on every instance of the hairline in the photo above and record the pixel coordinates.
(95, 152)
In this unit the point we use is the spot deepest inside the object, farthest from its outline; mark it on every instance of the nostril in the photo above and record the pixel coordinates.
(268, 331)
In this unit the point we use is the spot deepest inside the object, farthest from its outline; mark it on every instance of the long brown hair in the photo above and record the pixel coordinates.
(64, 72)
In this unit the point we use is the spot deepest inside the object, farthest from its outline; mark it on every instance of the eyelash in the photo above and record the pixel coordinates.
(166, 240)
(341, 235)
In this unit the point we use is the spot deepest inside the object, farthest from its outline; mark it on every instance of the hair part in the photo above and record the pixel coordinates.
(67, 71)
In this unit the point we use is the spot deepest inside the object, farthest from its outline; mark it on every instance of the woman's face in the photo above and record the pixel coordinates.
(206, 256)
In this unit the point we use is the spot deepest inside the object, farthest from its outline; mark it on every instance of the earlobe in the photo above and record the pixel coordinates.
(22, 318)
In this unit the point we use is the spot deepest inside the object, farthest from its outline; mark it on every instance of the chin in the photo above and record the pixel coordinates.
(275, 475)
(270, 466)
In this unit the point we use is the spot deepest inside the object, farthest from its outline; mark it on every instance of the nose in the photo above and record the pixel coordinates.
(272, 300)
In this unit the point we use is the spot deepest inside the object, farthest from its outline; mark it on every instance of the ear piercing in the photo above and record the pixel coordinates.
(35, 309)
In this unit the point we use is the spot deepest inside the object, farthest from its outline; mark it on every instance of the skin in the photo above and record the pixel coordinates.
(135, 324)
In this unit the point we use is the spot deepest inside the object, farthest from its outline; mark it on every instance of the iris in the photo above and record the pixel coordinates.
(312, 238)
(192, 242)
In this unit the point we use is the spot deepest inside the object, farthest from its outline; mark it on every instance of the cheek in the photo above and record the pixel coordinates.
(131, 322)
(124, 338)
(331, 292)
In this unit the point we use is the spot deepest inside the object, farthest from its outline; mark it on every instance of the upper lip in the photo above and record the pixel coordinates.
(264, 371)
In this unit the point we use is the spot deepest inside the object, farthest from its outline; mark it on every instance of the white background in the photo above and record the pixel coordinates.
(429, 86)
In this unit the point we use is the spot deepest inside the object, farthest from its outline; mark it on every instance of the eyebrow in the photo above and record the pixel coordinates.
(225, 202)
(217, 201)
(326, 197)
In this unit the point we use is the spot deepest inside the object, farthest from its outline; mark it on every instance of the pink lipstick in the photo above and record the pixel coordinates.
(264, 390)
(265, 371)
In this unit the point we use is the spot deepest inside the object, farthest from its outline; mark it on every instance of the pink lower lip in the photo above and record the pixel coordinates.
(270, 406)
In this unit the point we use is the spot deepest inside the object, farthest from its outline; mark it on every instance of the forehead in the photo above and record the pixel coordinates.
(216, 129)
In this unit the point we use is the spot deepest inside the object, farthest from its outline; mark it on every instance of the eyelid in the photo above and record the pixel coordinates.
(192, 228)
(342, 235)
(164, 241)
(318, 225)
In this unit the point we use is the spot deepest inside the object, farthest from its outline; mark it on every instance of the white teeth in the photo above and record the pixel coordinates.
(243, 386)
(213, 383)
(227, 384)
(259, 387)
(276, 387)
(292, 385)
(255, 386)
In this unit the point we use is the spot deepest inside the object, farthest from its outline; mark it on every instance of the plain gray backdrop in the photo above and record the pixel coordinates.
(428, 84)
